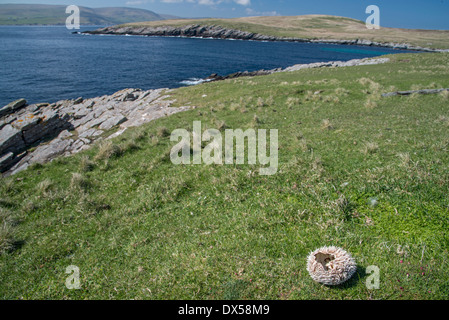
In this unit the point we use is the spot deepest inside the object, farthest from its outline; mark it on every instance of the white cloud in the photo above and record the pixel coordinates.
(252, 12)
(208, 2)
(243, 2)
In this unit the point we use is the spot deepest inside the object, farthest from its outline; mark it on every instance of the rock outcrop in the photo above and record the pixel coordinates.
(407, 93)
(12, 107)
(338, 64)
(38, 133)
(330, 64)
(216, 77)
(218, 32)
(190, 31)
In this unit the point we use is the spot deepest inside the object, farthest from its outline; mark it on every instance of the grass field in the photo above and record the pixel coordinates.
(356, 170)
(319, 27)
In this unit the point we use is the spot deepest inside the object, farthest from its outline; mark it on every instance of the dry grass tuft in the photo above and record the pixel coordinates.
(260, 102)
(331, 99)
(79, 182)
(416, 87)
(343, 204)
(234, 106)
(326, 124)
(221, 125)
(370, 104)
(162, 132)
(86, 164)
(29, 207)
(375, 87)
(370, 148)
(7, 185)
(6, 231)
(303, 145)
(308, 95)
(365, 81)
(107, 150)
(45, 186)
(128, 146)
(138, 135)
(341, 92)
(256, 121)
(444, 120)
(445, 94)
(404, 158)
(269, 101)
(292, 101)
(317, 166)
(154, 140)
(414, 96)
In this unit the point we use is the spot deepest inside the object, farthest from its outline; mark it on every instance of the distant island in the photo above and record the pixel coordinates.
(306, 28)
(41, 14)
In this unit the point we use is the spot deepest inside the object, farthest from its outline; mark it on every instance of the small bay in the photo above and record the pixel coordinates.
(50, 63)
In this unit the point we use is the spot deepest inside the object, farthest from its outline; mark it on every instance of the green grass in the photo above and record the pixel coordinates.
(371, 178)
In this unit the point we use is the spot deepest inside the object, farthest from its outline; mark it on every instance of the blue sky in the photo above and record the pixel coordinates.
(429, 14)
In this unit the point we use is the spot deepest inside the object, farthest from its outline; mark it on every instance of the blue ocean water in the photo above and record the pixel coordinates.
(47, 64)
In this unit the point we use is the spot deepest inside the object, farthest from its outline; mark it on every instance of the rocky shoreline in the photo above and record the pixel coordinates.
(38, 133)
(218, 32)
(296, 67)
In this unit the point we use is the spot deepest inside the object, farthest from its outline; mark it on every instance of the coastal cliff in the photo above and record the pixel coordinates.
(219, 32)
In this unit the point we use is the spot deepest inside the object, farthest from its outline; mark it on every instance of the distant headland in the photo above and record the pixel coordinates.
(308, 28)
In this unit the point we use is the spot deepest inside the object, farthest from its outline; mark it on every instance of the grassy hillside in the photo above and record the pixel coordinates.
(356, 170)
(24, 14)
(320, 27)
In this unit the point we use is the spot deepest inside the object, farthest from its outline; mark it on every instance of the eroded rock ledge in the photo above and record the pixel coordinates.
(38, 133)
(218, 32)
(296, 67)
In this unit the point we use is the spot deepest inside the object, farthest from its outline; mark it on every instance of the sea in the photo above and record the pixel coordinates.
(51, 63)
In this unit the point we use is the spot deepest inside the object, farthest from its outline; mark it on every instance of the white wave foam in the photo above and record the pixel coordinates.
(193, 81)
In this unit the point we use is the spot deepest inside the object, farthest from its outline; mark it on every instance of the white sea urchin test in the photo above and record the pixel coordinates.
(331, 265)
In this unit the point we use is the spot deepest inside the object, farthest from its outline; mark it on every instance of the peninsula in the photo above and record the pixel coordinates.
(307, 28)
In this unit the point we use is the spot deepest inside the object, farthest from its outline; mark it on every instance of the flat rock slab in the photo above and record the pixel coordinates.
(47, 152)
(112, 122)
(90, 133)
(338, 64)
(69, 126)
(6, 161)
(10, 140)
(12, 107)
(407, 93)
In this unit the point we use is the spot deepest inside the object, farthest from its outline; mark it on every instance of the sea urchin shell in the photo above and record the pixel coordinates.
(331, 265)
